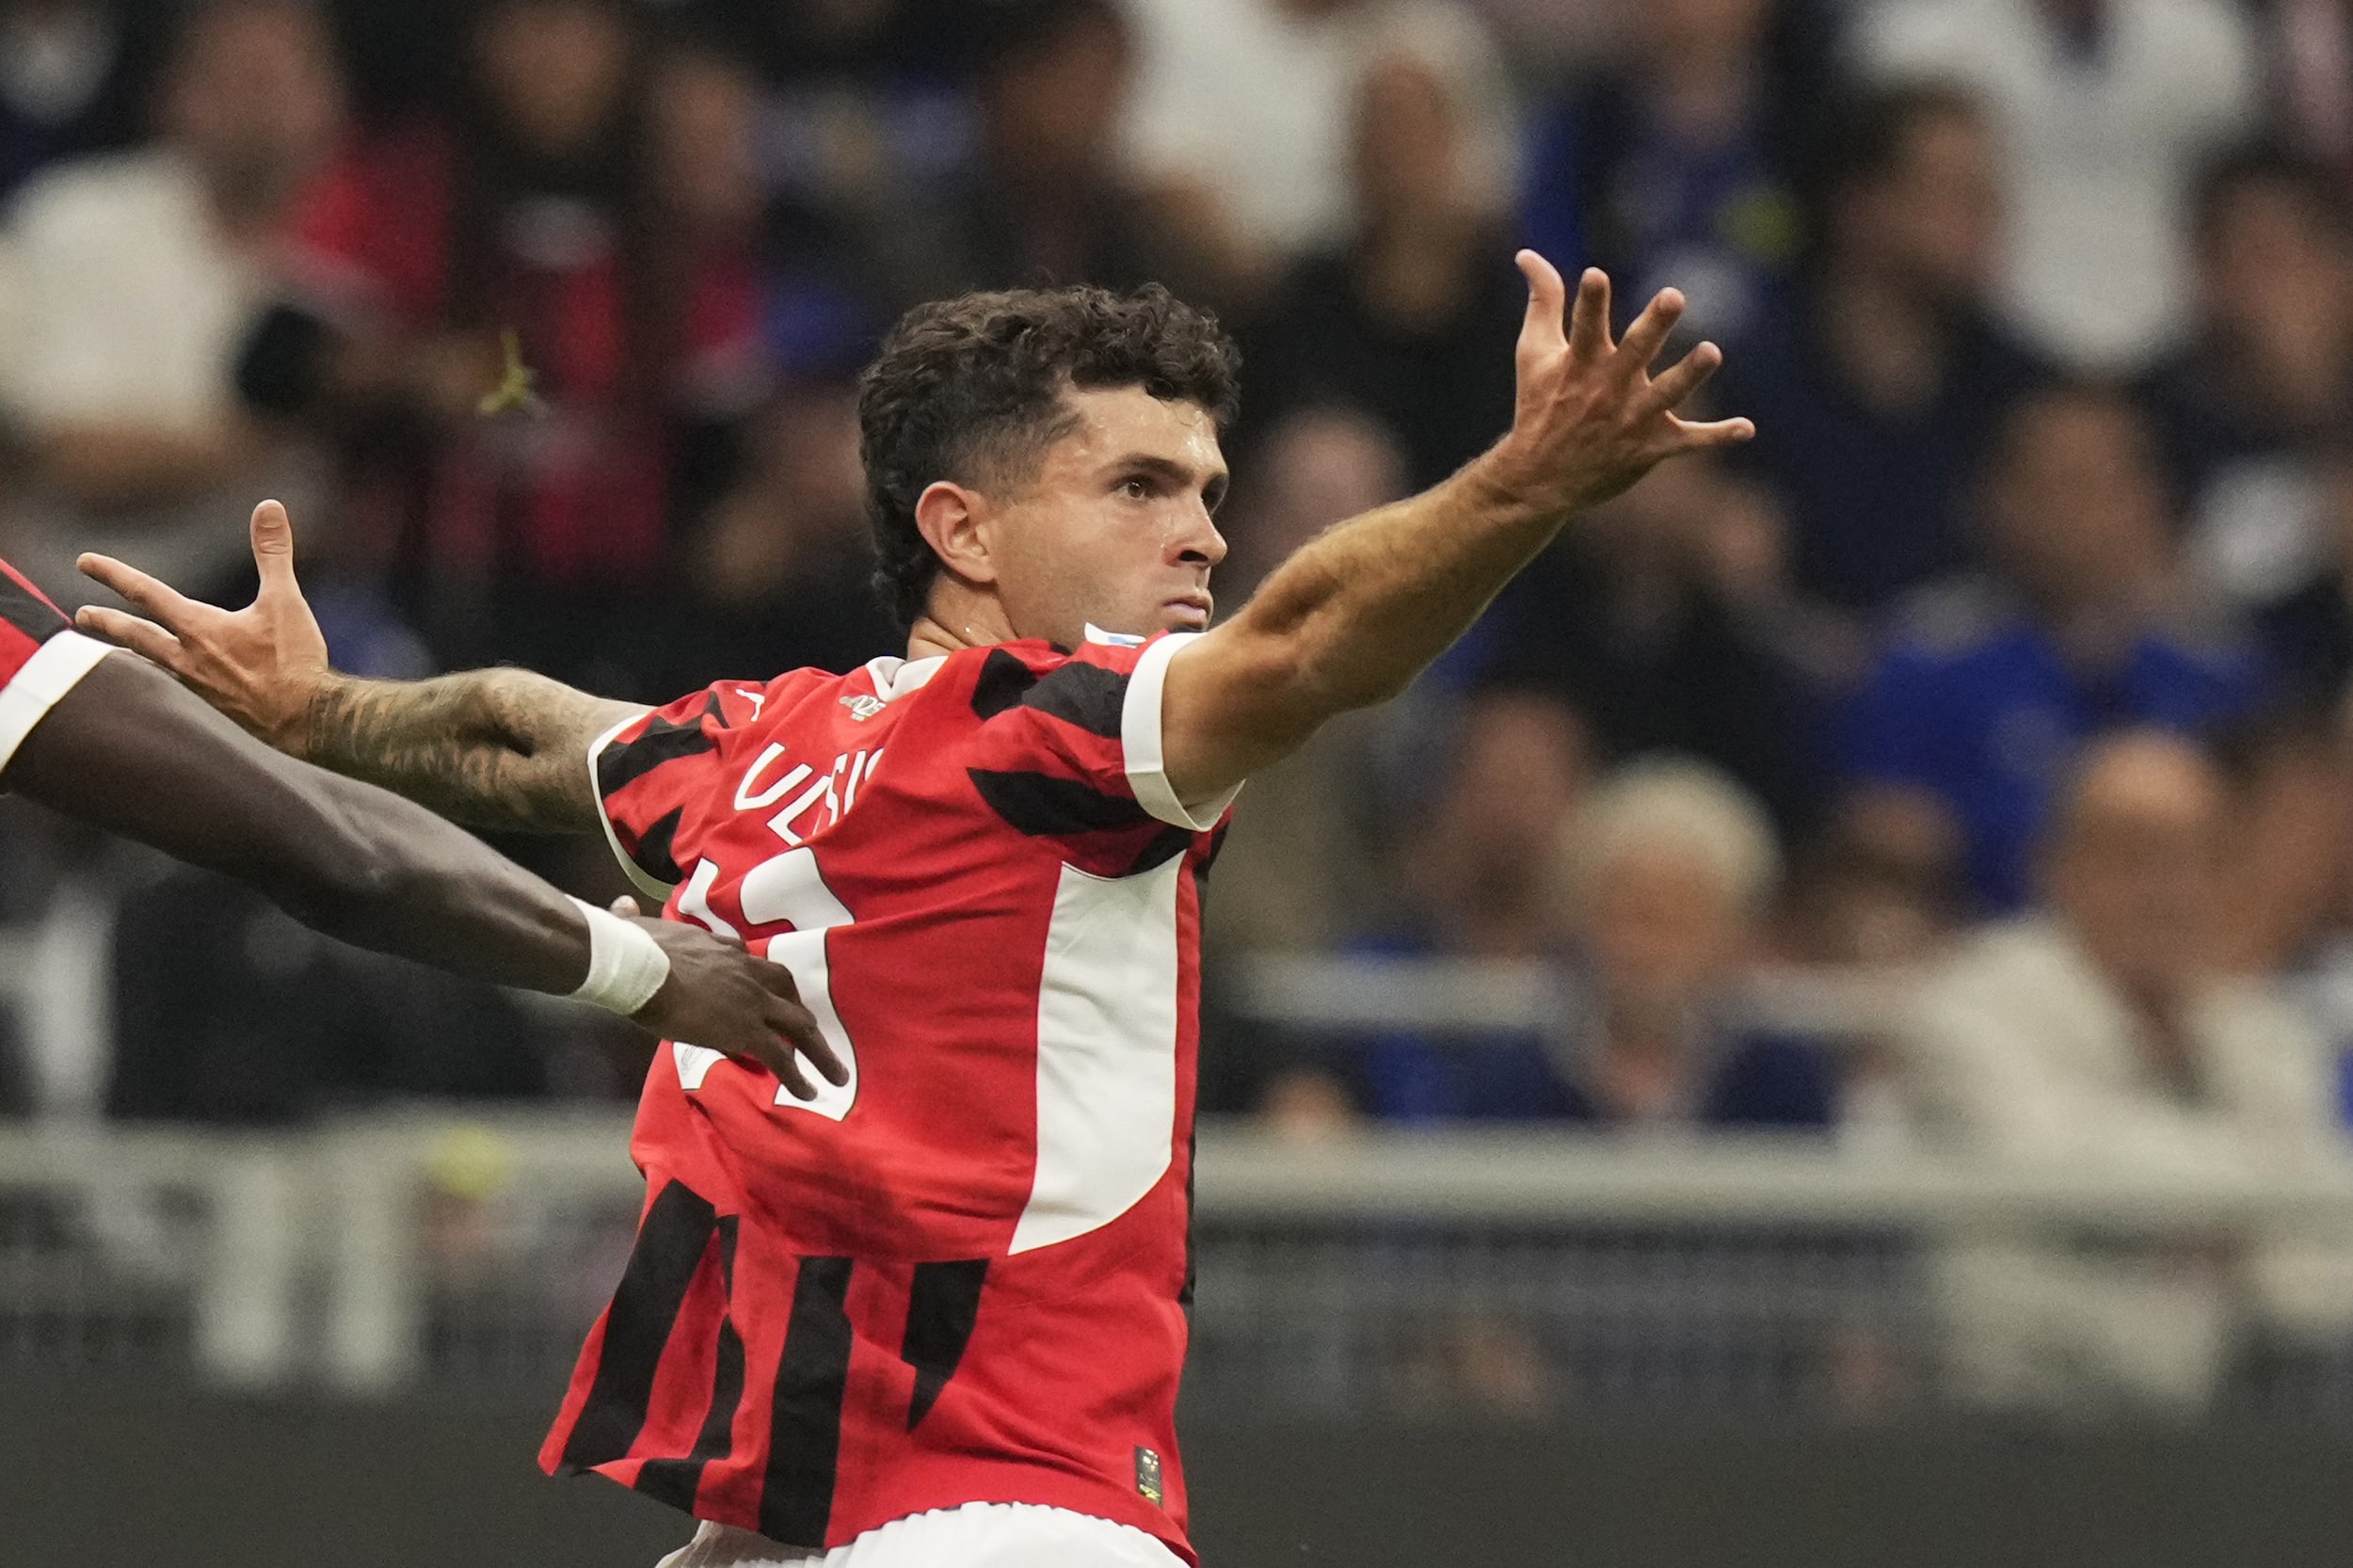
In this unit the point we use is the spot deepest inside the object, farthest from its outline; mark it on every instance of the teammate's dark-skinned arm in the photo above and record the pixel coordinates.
(1353, 615)
(495, 748)
(127, 749)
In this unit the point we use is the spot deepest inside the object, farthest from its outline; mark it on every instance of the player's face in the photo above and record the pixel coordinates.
(1116, 528)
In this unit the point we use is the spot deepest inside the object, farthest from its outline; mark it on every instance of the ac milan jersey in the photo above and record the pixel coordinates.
(42, 659)
(962, 1277)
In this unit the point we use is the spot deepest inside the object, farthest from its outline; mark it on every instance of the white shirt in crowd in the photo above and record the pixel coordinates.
(2100, 149)
(121, 302)
(2019, 1051)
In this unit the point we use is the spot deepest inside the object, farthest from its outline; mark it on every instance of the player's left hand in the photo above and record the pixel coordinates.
(721, 996)
(261, 665)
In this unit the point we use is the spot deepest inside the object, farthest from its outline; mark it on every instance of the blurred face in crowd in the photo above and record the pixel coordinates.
(1520, 766)
(2075, 505)
(2134, 867)
(2275, 279)
(1114, 529)
(255, 97)
(1660, 929)
(1318, 467)
(1050, 107)
(702, 112)
(553, 72)
(1933, 217)
(1673, 30)
(1409, 147)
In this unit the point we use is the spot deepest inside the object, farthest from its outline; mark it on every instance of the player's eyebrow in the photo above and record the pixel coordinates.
(1177, 474)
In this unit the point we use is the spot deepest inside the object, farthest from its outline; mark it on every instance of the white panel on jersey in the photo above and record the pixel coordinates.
(693, 902)
(1106, 1051)
(788, 888)
(41, 682)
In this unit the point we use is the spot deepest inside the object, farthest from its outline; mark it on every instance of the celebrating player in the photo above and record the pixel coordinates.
(105, 738)
(937, 1315)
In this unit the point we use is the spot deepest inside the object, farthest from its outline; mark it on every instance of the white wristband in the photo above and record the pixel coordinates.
(626, 966)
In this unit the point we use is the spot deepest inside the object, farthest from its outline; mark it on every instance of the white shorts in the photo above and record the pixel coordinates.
(978, 1535)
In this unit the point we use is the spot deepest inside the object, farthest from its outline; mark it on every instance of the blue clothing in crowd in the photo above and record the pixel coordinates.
(1976, 702)
(1748, 1078)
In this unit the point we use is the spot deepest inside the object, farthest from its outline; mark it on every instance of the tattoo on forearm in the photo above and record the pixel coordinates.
(500, 748)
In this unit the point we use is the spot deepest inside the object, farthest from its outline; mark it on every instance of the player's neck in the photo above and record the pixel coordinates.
(955, 619)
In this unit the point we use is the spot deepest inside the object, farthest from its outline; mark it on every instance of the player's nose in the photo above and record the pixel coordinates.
(1199, 543)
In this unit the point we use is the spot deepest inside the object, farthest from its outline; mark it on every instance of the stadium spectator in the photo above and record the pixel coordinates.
(2308, 631)
(1046, 198)
(2096, 1035)
(1301, 871)
(1661, 876)
(128, 283)
(778, 576)
(1244, 111)
(1877, 385)
(1409, 321)
(1672, 169)
(530, 519)
(2105, 108)
(73, 77)
(2269, 374)
(2083, 623)
(1664, 620)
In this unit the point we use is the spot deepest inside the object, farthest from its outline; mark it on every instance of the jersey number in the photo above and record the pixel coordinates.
(788, 890)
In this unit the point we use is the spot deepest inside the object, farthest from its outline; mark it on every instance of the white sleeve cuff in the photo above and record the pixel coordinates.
(41, 682)
(1140, 741)
(658, 891)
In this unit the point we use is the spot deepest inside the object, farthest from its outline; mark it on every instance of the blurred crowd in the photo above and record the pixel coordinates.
(2007, 665)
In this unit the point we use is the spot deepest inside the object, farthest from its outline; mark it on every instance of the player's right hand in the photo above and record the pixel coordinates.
(261, 665)
(721, 996)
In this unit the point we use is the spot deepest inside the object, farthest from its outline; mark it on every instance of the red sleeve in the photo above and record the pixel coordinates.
(1071, 750)
(655, 773)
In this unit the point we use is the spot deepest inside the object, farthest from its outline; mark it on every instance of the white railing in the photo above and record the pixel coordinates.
(319, 1255)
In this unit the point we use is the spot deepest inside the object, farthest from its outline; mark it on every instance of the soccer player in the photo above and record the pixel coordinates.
(106, 738)
(937, 1315)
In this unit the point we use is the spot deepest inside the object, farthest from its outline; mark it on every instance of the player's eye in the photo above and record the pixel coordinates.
(1137, 488)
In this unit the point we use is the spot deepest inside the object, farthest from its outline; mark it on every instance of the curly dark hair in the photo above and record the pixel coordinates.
(970, 389)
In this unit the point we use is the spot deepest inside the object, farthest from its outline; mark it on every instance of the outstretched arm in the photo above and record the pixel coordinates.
(1353, 615)
(496, 748)
(128, 750)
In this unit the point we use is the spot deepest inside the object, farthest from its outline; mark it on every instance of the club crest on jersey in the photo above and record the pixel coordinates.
(862, 707)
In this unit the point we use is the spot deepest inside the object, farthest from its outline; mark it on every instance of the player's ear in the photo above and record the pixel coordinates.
(954, 520)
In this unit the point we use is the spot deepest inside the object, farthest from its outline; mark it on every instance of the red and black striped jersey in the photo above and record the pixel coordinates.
(964, 1277)
(42, 659)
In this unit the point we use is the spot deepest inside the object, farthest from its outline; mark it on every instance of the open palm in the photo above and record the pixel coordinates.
(260, 664)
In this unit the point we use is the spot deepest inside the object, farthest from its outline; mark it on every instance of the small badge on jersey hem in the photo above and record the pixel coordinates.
(1148, 1475)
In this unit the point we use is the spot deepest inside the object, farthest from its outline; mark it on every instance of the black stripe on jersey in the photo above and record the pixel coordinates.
(1162, 847)
(1085, 694)
(29, 612)
(942, 1306)
(1193, 1164)
(805, 1420)
(675, 1481)
(1044, 807)
(654, 855)
(1004, 681)
(621, 765)
(661, 1266)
